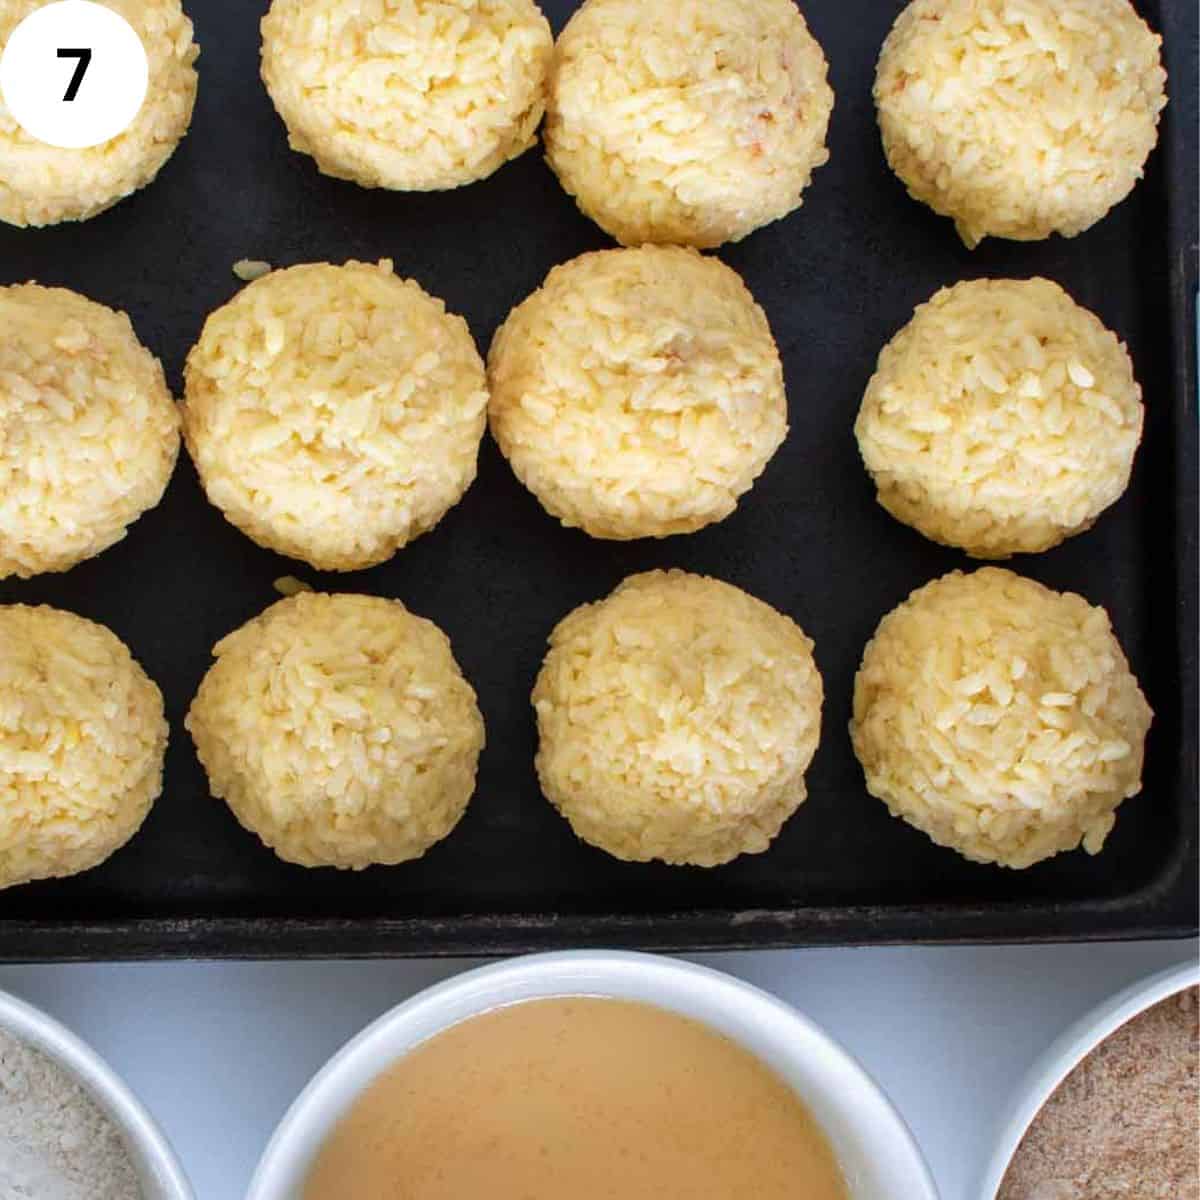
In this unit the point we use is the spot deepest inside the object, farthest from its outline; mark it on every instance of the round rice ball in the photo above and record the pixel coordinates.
(676, 720)
(638, 393)
(340, 730)
(1000, 718)
(82, 739)
(42, 184)
(1019, 118)
(692, 122)
(334, 413)
(90, 432)
(1002, 418)
(414, 96)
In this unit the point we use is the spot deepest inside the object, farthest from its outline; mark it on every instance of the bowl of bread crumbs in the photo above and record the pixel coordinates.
(69, 1128)
(1110, 1110)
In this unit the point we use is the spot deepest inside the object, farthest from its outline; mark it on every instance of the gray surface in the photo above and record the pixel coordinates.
(219, 1050)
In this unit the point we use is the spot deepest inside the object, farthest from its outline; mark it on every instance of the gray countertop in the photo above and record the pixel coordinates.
(218, 1050)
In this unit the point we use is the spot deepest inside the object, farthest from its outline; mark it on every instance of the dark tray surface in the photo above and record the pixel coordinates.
(837, 279)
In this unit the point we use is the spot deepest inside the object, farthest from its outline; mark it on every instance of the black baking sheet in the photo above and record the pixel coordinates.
(837, 279)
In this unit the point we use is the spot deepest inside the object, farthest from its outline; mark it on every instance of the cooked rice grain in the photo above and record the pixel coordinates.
(250, 269)
(408, 94)
(691, 122)
(676, 720)
(89, 433)
(289, 585)
(334, 413)
(340, 730)
(82, 738)
(1019, 118)
(42, 184)
(1002, 418)
(638, 393)
(1000, 718)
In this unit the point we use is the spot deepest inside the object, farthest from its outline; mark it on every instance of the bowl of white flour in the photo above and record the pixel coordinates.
(69, 1128)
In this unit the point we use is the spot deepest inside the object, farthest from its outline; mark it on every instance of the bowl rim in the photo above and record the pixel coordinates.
(484, 985)
(1067, 1051)
(142, 1134)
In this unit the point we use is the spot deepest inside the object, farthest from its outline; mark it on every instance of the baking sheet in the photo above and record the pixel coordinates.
(837, 278)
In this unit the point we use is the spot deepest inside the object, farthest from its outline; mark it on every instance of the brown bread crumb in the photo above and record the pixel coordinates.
(1123, 1124)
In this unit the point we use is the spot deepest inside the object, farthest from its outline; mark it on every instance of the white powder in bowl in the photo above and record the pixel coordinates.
(55, 1142)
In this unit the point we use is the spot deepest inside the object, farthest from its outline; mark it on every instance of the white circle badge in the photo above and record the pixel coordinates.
(74, 74)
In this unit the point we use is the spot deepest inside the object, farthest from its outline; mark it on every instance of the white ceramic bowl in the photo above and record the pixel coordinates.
(158, 1169)
(1067, 1052)
(873, 1145)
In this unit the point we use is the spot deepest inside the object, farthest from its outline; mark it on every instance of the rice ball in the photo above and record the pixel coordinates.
(1019, 118)
(42, 184)
(334, 413)
(90, 431)
(413, 95)
(1002, 418)
(676, 719)
(638, 393)
(692, 122)
(340, 730)
(82, 739)
(1000, 718)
